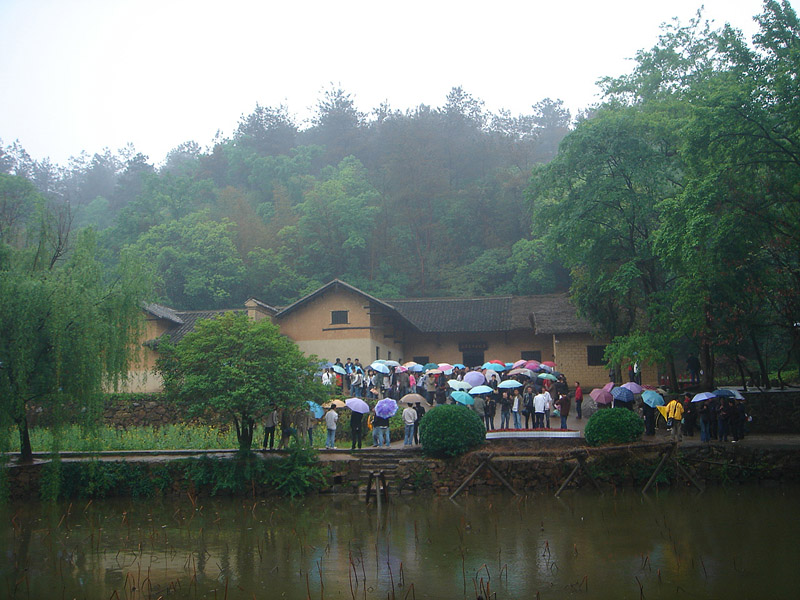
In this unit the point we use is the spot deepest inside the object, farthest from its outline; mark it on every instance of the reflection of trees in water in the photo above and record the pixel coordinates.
(544, 543)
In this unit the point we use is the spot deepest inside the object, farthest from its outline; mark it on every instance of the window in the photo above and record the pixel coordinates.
(377, 352)
(532, 355)
(339, 317)
(595, 356)
(389, 355)
(421, 360)
(472, 358)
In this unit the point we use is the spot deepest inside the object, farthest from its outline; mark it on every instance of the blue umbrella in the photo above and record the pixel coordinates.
(379, 367)
(459, 366)
(493, 366)
(509, 383)
(652, 398)
(481, 389)
(622, 394)
(315, 409)
(462, 398)
(357, 405)
(339, 370)
(703, 396)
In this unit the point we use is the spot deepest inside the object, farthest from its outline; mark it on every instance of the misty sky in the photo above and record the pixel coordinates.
(87, 74)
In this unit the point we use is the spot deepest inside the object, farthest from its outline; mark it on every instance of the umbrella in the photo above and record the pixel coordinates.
(652, 398)
(545, 369)
(726, 393)
(703, 396)
(336, 403)
(519, 363)
(509, 383)
(481, 389)
(445, 366)
(463, 398)
(494, 366)
(533, 365)
(633, 386)
(547, 376)
(524, 372)
(430, 366)
(622, 394)
(549, 363)
(416, 368)
(386, 408)
(379, 367)
(459, 366)
(339, 370)
(410, 364)
(400, 369)
(315, 409)
(413, 398)
(474, 378)
(601, 396)
(357, 405)
(434, 371)
(458, 385)
(391, 363)
(609, 386)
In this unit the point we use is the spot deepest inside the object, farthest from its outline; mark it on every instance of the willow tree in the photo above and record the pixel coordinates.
(66, 325)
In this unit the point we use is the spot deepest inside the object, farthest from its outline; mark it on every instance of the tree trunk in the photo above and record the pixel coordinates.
(25, 449)
(762, 367)
(741, 372)
(673, 375)
(707, 362)
(244, 434)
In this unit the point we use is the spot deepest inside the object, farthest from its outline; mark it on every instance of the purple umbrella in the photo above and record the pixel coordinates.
(386, 408)
(601, 396)
(357, 405)
(633, 386)
(474, 378)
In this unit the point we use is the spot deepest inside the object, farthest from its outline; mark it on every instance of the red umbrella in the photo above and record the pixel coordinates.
(601, 396)
(549, 363)
(533, 365)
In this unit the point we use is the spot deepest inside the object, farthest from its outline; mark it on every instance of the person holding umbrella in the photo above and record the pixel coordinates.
(355, 429)
(420, 413)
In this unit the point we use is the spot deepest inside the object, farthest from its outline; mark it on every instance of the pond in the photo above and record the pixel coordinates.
(735, 543)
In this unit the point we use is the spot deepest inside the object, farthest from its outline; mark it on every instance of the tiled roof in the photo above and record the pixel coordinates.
(546, 314)
(456, 314)
(188, 321)
(162, 312)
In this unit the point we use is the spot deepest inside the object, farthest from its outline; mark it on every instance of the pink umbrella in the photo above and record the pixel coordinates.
(533, 365)
(474, 378)
(445, 367)
(601, 396)
(609, 386)
(519, 363)
(400, 369)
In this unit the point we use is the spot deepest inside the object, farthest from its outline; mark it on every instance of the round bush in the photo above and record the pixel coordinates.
(450, 430)
(613, 426)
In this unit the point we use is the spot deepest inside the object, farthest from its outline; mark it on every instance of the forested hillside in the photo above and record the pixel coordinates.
(429, 202)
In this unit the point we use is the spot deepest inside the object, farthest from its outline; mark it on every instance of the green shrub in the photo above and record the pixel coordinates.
(450, 430)
(613, 426)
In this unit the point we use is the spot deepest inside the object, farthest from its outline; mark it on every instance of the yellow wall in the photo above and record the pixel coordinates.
(142, 376)
(310, 327)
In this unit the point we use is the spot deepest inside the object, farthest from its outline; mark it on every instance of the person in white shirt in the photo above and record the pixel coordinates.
(409, 419)
(330, 423)
(540, 404)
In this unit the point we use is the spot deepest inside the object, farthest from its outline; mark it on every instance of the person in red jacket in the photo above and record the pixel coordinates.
(578, 398)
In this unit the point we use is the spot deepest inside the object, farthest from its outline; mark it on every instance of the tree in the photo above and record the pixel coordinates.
(195, 259)
(239, 368)
(66, 326)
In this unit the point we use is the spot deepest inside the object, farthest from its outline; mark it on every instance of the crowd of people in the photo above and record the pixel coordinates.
(717, 418)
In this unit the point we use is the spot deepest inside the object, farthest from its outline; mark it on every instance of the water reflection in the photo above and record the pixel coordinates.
(738, 543)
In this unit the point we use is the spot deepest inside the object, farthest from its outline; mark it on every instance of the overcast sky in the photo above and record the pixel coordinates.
(84, 75)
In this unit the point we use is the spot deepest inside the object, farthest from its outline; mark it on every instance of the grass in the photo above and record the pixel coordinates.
(167, 437)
